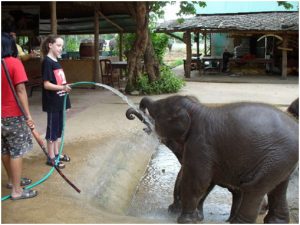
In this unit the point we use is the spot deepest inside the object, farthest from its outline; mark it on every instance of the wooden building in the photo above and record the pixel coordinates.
(71, 17)
(278, 31)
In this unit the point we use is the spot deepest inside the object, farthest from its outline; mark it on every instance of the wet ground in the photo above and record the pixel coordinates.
(155, 192)
(123, 176)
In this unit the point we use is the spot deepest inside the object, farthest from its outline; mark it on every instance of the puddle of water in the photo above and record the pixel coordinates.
(155, 192)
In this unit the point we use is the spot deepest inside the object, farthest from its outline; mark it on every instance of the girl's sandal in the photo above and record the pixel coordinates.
(64, 158)
(24, 182)
(51, 162)
(26, 194)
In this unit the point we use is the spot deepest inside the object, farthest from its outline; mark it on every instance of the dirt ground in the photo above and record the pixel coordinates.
(109, 154)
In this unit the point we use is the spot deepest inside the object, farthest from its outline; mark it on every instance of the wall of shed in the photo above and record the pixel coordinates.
(220, 41)
(75, 69)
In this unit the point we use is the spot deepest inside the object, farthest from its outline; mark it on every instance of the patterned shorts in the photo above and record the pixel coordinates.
(16, 137)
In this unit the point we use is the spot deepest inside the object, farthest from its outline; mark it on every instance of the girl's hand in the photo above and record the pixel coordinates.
(30, 123)
(67, 88)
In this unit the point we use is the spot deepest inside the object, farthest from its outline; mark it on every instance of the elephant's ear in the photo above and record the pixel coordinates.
(181, 123)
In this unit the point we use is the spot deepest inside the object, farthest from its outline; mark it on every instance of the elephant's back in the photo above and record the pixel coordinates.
(257, 128)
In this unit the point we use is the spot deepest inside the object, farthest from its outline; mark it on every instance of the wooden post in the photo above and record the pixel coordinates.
(205, 45)
(198, 51)
(121, 51)
(53, 18)
(121, 47)
(284, 59)
(188, 61)
(96, 48)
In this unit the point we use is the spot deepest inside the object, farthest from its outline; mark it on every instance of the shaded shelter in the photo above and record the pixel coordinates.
(280, 28)
(42, 18)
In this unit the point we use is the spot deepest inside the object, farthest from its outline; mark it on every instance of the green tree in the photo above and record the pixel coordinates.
(143, 49)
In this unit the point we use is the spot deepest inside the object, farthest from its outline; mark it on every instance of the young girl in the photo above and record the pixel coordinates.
(54, 90)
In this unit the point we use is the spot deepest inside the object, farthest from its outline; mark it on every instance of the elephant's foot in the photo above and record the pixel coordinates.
(284, 218)
(241, 219)
(193, 217)
(175, 208)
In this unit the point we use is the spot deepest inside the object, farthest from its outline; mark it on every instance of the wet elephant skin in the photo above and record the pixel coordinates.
(250, 147)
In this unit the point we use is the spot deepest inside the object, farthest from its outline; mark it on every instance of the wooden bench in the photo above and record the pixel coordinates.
(34, 82)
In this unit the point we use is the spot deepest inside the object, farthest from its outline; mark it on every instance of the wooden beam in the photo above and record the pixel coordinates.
(269, 35)
(174, 36)
(286, 49)
(96, 48)
(53, 17)
(110, 21)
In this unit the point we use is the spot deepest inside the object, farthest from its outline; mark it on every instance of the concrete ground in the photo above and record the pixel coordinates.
(109, 153)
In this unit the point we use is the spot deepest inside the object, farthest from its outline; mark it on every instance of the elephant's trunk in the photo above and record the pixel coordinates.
(129, 114)
(131, 111)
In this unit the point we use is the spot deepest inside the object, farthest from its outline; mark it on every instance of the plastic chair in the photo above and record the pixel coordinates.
(107, 75)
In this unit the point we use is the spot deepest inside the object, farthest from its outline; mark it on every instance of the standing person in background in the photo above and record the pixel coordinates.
(16, 139)
(21, 54)
(9, 27)
(54, 90)
(226, 56)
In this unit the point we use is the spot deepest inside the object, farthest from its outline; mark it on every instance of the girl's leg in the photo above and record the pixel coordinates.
(56, 147)
(50, 147)
(16, 172)
(6, 163)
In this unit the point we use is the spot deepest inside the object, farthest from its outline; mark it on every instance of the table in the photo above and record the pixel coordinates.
(121, 65)
(212, 59)
(196, 61)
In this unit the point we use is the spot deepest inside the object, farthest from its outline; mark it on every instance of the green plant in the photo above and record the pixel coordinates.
(72, 45)
(168, 83)
(175, 63)
(160, 43)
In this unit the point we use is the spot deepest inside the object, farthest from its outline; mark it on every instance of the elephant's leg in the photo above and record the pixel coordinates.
(193, 188)
(175, 207)
(201, 202)
(278, 207)
(236, 201)
(249, 207)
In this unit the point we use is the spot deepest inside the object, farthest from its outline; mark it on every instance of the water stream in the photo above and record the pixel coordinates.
(123, 97)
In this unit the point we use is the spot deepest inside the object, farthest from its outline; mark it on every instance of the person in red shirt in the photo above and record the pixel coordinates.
(16, 139)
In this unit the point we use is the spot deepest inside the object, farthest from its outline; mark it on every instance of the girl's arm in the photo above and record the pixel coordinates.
(22, 94)
(54, 87)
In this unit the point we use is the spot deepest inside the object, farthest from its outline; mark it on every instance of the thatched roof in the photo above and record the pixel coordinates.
(249, 22)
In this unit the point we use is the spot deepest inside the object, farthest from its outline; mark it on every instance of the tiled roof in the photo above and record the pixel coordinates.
(262, 21)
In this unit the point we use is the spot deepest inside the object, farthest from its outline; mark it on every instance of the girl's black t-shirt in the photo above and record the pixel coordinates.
(53, 101)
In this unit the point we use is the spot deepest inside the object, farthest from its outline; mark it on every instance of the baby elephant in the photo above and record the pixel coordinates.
(294, 108)
(249, 148)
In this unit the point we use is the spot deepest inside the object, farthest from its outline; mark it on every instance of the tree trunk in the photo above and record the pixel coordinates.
(151, 62)
(136, 53)
(142, 48)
